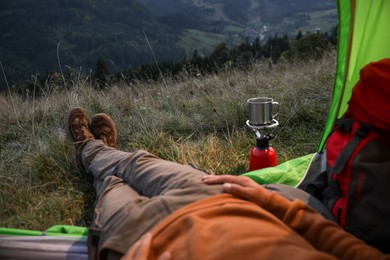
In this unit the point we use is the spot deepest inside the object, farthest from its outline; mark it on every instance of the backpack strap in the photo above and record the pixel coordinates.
(347, 151)
(332, 192)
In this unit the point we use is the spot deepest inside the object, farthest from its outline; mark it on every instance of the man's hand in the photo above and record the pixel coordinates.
(140, 250)
(240, 186)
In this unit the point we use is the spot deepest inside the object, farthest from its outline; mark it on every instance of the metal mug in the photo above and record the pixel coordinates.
(260, 111)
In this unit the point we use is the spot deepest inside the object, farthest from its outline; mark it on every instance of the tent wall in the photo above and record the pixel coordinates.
(363, 37)
(57, 242)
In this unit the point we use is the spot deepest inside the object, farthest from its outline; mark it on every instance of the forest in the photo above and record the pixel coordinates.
(127, 37)
(303, 48)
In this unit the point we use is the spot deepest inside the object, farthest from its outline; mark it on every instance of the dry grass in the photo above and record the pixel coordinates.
(192, 120)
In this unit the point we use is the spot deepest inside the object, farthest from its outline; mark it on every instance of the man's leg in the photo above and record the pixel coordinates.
(144, 172)
(135, 190)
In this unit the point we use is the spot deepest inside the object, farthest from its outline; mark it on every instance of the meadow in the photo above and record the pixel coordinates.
(199, 120)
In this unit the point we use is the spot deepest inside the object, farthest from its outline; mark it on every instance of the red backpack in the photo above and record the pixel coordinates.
(356, 184)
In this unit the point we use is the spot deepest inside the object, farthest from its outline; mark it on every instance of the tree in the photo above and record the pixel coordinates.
(299, 36)
(312, 46)
(220, 55)
(275, 46)
(257, 47)
(101, 75)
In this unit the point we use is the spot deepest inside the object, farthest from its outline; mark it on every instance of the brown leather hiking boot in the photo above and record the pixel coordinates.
(104, 128)
(78, 131)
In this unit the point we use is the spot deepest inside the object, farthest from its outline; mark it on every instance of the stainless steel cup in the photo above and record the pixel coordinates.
(260, 111)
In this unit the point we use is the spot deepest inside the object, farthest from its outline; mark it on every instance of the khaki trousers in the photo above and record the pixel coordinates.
(137, 190)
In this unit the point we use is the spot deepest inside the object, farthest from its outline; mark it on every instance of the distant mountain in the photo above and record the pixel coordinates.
(285, 15)
(125, 32)
(84, 30)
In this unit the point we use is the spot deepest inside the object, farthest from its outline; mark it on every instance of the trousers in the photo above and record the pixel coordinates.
(137, 190)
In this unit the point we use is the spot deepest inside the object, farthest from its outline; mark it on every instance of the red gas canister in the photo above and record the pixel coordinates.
(262, 155)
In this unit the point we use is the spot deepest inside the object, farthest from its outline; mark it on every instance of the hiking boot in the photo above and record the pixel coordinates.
(104, 128)
(78, 131)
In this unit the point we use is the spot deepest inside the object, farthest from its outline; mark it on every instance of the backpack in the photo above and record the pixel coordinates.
(356, 184)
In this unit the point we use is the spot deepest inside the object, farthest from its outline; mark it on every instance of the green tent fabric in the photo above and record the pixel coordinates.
(57, 230)
(57, 242)
(363, 37)
(289, 173)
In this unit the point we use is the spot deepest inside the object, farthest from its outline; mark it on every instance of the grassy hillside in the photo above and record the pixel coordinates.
(198, 120)
(205, 42)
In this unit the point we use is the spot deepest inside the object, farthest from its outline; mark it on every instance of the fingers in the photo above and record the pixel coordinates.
(140, 250)
(131, 252)
(165, 256)
(240, 186)
(229, 188)
(220, 179)
(237, 190)
(144, 247)
(231, 184)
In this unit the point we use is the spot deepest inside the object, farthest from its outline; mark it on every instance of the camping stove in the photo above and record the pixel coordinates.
(261, 120)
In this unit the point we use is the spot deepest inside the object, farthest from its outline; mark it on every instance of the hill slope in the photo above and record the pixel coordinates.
(88, 30)
(116, 30)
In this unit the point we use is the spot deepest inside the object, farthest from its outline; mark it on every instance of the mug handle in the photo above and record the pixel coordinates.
(277, 114)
